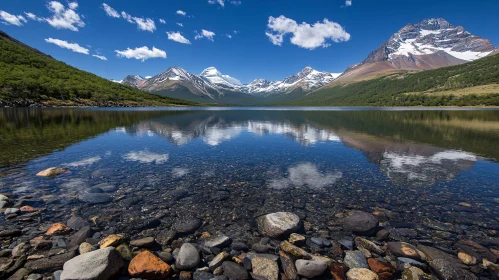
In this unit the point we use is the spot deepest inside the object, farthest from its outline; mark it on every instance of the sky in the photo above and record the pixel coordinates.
(246, 39)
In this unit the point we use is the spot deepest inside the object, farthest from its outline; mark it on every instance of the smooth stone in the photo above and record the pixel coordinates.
(266, 268)
(19, 275)
(406, 250)
(9, 211)
(361, 274)
(415, 273)
(235, 271)
(49, 264)
(294, 251)
(95, 198)
(143, 242)
(85, 248)
(369, 245)
(466, 258)
(219, 241)
(57, 275)
(188, 257)
(218, 260)
(297, 239)
(3, 198)
(96, 265)
(361, 223)
(165, 237)
(412, 262)
(166, 256)
(34, 277)
(80, 236)
(3, 204)
(106, 187)
(355, 259)
(260, 248)
(202, 275)
(147, 265)
(347, 244)
(278, 224)
(51, 172)
(239, 246)
(76, 222)
(382, 268)
(288, 266)
(112, 240)
(188, 225)
(310, 269)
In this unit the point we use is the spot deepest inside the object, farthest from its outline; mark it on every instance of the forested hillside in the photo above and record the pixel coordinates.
(29, 77)
(437, 87)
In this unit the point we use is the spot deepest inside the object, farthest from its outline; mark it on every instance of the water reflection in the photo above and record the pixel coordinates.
(305, 175)
(146, 157)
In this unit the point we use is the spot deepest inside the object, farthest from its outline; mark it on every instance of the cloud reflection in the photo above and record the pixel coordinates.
(146, 157)
(306, 174)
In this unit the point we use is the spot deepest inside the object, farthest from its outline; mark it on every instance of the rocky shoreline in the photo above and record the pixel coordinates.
(281, 246)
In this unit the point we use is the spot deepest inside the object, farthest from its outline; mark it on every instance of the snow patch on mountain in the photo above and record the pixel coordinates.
(214, 76)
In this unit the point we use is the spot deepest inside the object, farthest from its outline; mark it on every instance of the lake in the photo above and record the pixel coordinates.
(427, 175)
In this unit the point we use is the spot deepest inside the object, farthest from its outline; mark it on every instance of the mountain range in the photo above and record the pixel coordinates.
(430, 44)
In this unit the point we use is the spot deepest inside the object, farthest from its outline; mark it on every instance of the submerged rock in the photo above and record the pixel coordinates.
(355, 259)
(309, 268)
(361, 223)
(51, 172)
(361, 274)
(275, 225)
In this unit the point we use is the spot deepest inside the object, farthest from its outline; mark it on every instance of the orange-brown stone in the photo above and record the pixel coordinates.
(338, 270)
(147, 265)
(185, 275)
(384, 270)
(28, 209)
(58, 228)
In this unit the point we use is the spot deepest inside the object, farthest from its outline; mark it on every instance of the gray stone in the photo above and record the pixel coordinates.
(218, 240)
(166, 257)
(85, 248)
(355, 259)
(106, 187)
(446, 269)
(9, 211)
(310, 269)
(143, 243)
(188, 225)
(361, 223)
(95, 198)
(49, 264)
(80, 236)
(57, 275)
(20, 250)
(218, 260)
(188, 257)
(19, 275)
(412, 262)
(202, 275)
(99, 264)
(278, 224)
(260, 248)
(76, 222)
(34, 277)
(233, 270)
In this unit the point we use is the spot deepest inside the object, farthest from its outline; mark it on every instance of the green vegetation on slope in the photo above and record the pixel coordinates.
(407, 89)
(29, 76)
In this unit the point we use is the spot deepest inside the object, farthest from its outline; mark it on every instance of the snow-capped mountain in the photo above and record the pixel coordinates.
(214, 85)
(134, 81)
(430, 44)
(212, 75)
(176, 77)
(308, 79)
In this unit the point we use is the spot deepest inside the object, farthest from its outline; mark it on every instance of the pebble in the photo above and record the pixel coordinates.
(361, 223)
(143, 242)
(112, 240)
(406, 250)
(295, 251)
(278, 224)
(95, 198)
(361, 274)
(297, 239)
(58, 229)
(99, 264)
(147, 265)
(235, 271)
(355, 259)
(188, 257)
(85, 248)
(125, 251)
(265, 268)
(218, 260)
(51, 172)
(219, 240)
(309, 268)
(288, 266)
(189, 225)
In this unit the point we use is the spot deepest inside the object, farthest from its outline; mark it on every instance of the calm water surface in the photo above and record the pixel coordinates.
(432, 172)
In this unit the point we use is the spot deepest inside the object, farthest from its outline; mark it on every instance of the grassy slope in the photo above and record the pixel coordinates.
(29, 76)
(405, 89)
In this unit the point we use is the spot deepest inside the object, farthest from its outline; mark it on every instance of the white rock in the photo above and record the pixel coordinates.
(96, 265)
(278, 224)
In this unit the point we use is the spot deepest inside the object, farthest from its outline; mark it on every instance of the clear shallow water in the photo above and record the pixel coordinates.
(413, 168)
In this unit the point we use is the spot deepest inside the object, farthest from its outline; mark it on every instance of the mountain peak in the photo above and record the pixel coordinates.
(212, 75)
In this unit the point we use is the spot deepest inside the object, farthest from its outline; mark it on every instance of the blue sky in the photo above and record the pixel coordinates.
(345, 34)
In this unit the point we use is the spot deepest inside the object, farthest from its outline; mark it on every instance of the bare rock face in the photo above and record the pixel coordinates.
(278, 224)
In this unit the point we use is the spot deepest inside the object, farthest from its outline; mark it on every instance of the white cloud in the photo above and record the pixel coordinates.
(110, 11)
(148, 77)
(33, 16)
(101, 57)
(145, 24)
(221, 2)
(162, 21)
(177, 37)
(9, 19)
(228, 36)
(205, 34)
(305, 35)
(65, 45)
(236, 2)
(348, 3)
(180, 24)
(142, 53)
(63, 18)
(180, 12)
